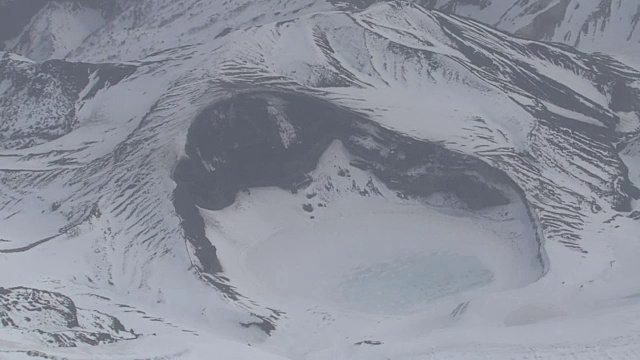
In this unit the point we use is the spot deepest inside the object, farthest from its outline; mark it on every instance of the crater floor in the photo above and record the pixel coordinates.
(376, 255)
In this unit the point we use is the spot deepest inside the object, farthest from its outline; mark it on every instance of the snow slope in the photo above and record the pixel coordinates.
(593, 26)
(464, 188)
(42, 29)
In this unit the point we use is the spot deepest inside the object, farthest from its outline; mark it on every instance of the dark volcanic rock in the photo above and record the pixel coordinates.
(39, 101)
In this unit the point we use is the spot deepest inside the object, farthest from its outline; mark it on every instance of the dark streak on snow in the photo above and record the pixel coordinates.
(28, 247)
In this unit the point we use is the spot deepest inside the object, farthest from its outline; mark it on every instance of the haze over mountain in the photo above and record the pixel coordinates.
(43, 29)
(298, 179)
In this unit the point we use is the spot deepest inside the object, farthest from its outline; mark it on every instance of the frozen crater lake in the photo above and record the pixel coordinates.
(404, 285)
(372, 255)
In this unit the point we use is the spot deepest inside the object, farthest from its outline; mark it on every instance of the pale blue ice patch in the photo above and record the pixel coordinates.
(406, 285)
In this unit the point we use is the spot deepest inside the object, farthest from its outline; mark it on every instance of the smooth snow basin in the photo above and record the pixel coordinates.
(389, 262)
(368, 255)
(332, 246)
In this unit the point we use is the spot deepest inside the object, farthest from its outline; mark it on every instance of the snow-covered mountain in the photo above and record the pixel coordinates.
(45, 29)
(609, 26)
(42, 30)
(310, 180)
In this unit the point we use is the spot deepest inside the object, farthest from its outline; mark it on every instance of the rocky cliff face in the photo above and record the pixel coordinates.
(40, 101)
(54, 320)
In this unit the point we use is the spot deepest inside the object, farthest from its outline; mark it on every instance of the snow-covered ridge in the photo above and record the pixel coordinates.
(44, 29)
(609, 26)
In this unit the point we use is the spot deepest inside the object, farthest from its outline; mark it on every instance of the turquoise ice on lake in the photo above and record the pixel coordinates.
(407, 285)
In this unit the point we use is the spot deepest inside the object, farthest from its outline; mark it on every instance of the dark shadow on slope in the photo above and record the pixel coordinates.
(28, 247)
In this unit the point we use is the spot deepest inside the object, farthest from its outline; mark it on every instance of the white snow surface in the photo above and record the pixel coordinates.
(369, 277)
